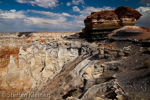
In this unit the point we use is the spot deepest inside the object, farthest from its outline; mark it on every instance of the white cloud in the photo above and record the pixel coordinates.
(144, 19)
(144, 10)
(68, 4)
(12, 14)
(42, 22)
(14, 21)
(41, 3)
(75, 2)
(22, 1)
(50, 14)
(66, 14)
(87, 11)
(13, 10)
(76, 9)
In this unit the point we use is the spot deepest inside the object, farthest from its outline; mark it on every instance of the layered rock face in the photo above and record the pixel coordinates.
(115, 67)
(29, 60)
(111, 19)
(67, 66)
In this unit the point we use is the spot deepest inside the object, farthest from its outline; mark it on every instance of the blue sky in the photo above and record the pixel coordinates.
(60, 15)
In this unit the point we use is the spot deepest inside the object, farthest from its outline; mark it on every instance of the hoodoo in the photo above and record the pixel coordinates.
(112, 19)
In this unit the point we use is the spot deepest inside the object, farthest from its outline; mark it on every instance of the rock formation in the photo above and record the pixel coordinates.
(112, 68)
(28, 60)
(114, 65)
(111, 19)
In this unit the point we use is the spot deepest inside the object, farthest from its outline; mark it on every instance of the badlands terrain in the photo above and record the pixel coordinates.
(108, 60)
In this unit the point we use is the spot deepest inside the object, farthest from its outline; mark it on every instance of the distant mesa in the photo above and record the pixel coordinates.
(111, 19)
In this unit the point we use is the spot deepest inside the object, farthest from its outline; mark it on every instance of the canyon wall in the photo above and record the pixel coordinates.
(68, 66)
(29, 60)
(114, 67)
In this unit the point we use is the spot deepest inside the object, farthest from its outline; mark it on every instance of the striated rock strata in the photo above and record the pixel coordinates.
(111, 19)
(68, 67)
(29, 59)
(112, 68)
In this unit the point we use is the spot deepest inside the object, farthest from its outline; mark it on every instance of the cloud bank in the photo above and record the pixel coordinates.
(19, 21)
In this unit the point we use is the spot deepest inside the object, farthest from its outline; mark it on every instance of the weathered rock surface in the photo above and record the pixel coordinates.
(111, 19)
(113, 71)
(127, 12)
(26, 63)
(115, 67)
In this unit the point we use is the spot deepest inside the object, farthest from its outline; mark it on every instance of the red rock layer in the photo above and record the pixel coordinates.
(127, 12)
(41, 40)
(145, 28)
(107, 15)
(109, 19)
(5, 56)
(24, 47)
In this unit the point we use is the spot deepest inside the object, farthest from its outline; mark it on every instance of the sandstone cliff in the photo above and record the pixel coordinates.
(109, 19)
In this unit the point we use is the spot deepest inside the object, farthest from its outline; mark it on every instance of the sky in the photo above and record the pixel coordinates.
(60, 15)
